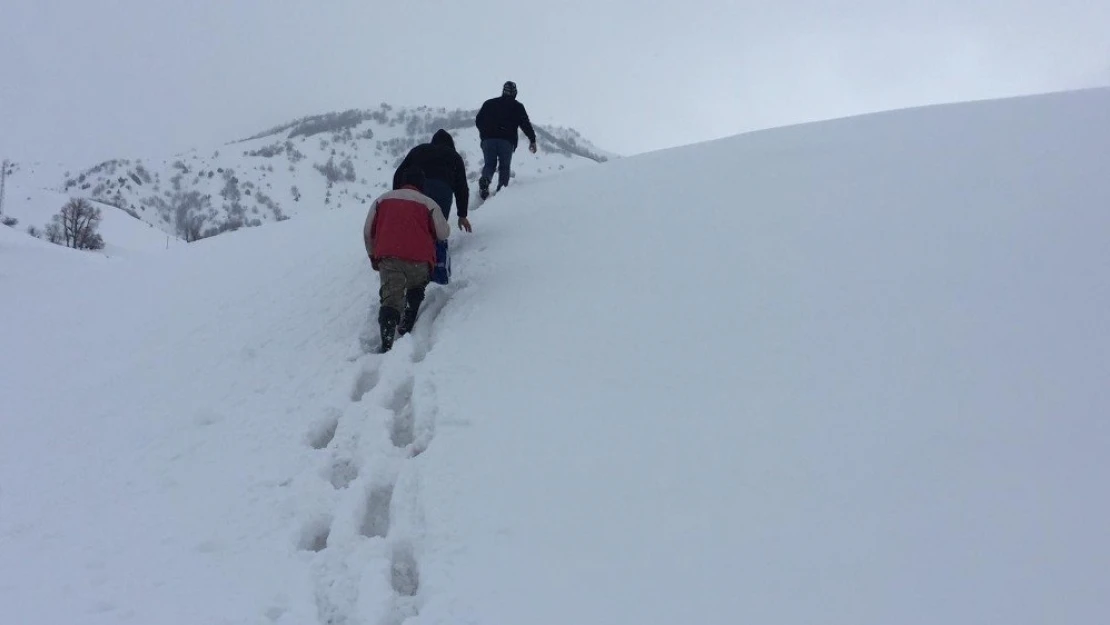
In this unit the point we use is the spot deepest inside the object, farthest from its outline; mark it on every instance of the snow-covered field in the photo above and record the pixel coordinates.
(851, 372)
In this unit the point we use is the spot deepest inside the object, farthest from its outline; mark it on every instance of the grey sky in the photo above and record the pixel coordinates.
(82, 80)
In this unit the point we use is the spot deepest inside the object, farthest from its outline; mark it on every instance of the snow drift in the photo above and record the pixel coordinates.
(845, 372)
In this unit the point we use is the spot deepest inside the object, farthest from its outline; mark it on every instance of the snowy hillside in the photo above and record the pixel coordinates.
(33, 208)
(311, 164)
(847, 373)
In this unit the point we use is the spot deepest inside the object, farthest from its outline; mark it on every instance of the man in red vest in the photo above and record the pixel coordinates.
(400, 234)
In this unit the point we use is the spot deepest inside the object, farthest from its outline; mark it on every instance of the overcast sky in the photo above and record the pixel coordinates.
(83, 80)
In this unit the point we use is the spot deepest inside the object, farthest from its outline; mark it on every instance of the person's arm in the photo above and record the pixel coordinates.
(526, 126)
(368, 231)
(481, 119)
(439, 222)
(460, 187)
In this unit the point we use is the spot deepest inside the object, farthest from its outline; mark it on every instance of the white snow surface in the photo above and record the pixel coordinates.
(851, 372)
(122, 233)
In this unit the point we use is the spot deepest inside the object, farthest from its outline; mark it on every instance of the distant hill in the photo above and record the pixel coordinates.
(308, 164)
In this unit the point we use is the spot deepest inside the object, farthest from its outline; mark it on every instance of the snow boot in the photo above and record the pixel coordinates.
(388, 319)
(413, 298)
(408, 320)
(483, 187)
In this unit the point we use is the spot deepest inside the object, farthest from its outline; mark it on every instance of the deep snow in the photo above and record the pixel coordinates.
(846, 372)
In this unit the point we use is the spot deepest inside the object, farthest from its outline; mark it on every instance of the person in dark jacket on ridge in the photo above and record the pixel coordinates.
(498, 121)
(444, 174)
(400, 235)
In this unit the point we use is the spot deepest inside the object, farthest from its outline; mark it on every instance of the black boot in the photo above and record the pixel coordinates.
(388, 319)
(413, 298)
(483, 187)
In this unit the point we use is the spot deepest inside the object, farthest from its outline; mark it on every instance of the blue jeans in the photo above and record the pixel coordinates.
(441, 192)
(499, 155)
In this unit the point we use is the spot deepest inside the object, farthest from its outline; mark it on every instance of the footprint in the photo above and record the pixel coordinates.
(343, 472)
(403, 609)
(402, 429)
(375, 522)
(365, 382)
(424, 429)
(314, 536)
(421, 350)
(328, 612)
(321, 435)
(405, 576)
(402, 396)
(431, 310)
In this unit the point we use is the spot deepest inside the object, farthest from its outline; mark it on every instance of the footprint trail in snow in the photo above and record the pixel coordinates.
(362, 539)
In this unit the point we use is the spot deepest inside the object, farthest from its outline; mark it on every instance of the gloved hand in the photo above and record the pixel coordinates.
(532, 147)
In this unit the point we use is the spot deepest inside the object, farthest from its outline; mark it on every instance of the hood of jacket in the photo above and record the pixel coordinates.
(442, 137)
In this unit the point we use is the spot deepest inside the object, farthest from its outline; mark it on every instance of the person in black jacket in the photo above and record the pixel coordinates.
(444, 174)
(498, 121)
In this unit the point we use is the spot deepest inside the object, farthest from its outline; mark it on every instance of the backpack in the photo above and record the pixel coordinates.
(441, 273)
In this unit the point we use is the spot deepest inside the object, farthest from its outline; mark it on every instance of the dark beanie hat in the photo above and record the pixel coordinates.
(413, 176)
(509, 89)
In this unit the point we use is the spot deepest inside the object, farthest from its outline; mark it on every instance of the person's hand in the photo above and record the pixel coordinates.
(532, 147)
(464, 224)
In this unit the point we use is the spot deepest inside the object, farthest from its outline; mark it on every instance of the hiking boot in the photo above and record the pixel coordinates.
(408, 321)
(413, 298)
(388, 319)
(483, 187)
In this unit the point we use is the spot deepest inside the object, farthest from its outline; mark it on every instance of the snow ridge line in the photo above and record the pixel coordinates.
(363, 518)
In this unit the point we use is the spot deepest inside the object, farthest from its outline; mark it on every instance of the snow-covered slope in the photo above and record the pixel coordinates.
(851, 372)
(308, 165)
(33, 208)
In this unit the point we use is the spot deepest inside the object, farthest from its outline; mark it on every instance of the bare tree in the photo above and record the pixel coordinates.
(75, 226)
(53, 233)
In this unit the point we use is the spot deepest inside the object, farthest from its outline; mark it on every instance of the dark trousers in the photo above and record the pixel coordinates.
(499, 156)
(441, 192)
(401, 293)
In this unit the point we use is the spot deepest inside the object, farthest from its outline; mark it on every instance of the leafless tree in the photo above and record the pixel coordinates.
(75, 226)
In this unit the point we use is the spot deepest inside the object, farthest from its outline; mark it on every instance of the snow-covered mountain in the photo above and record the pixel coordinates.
(849, 373)
(310, 164)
